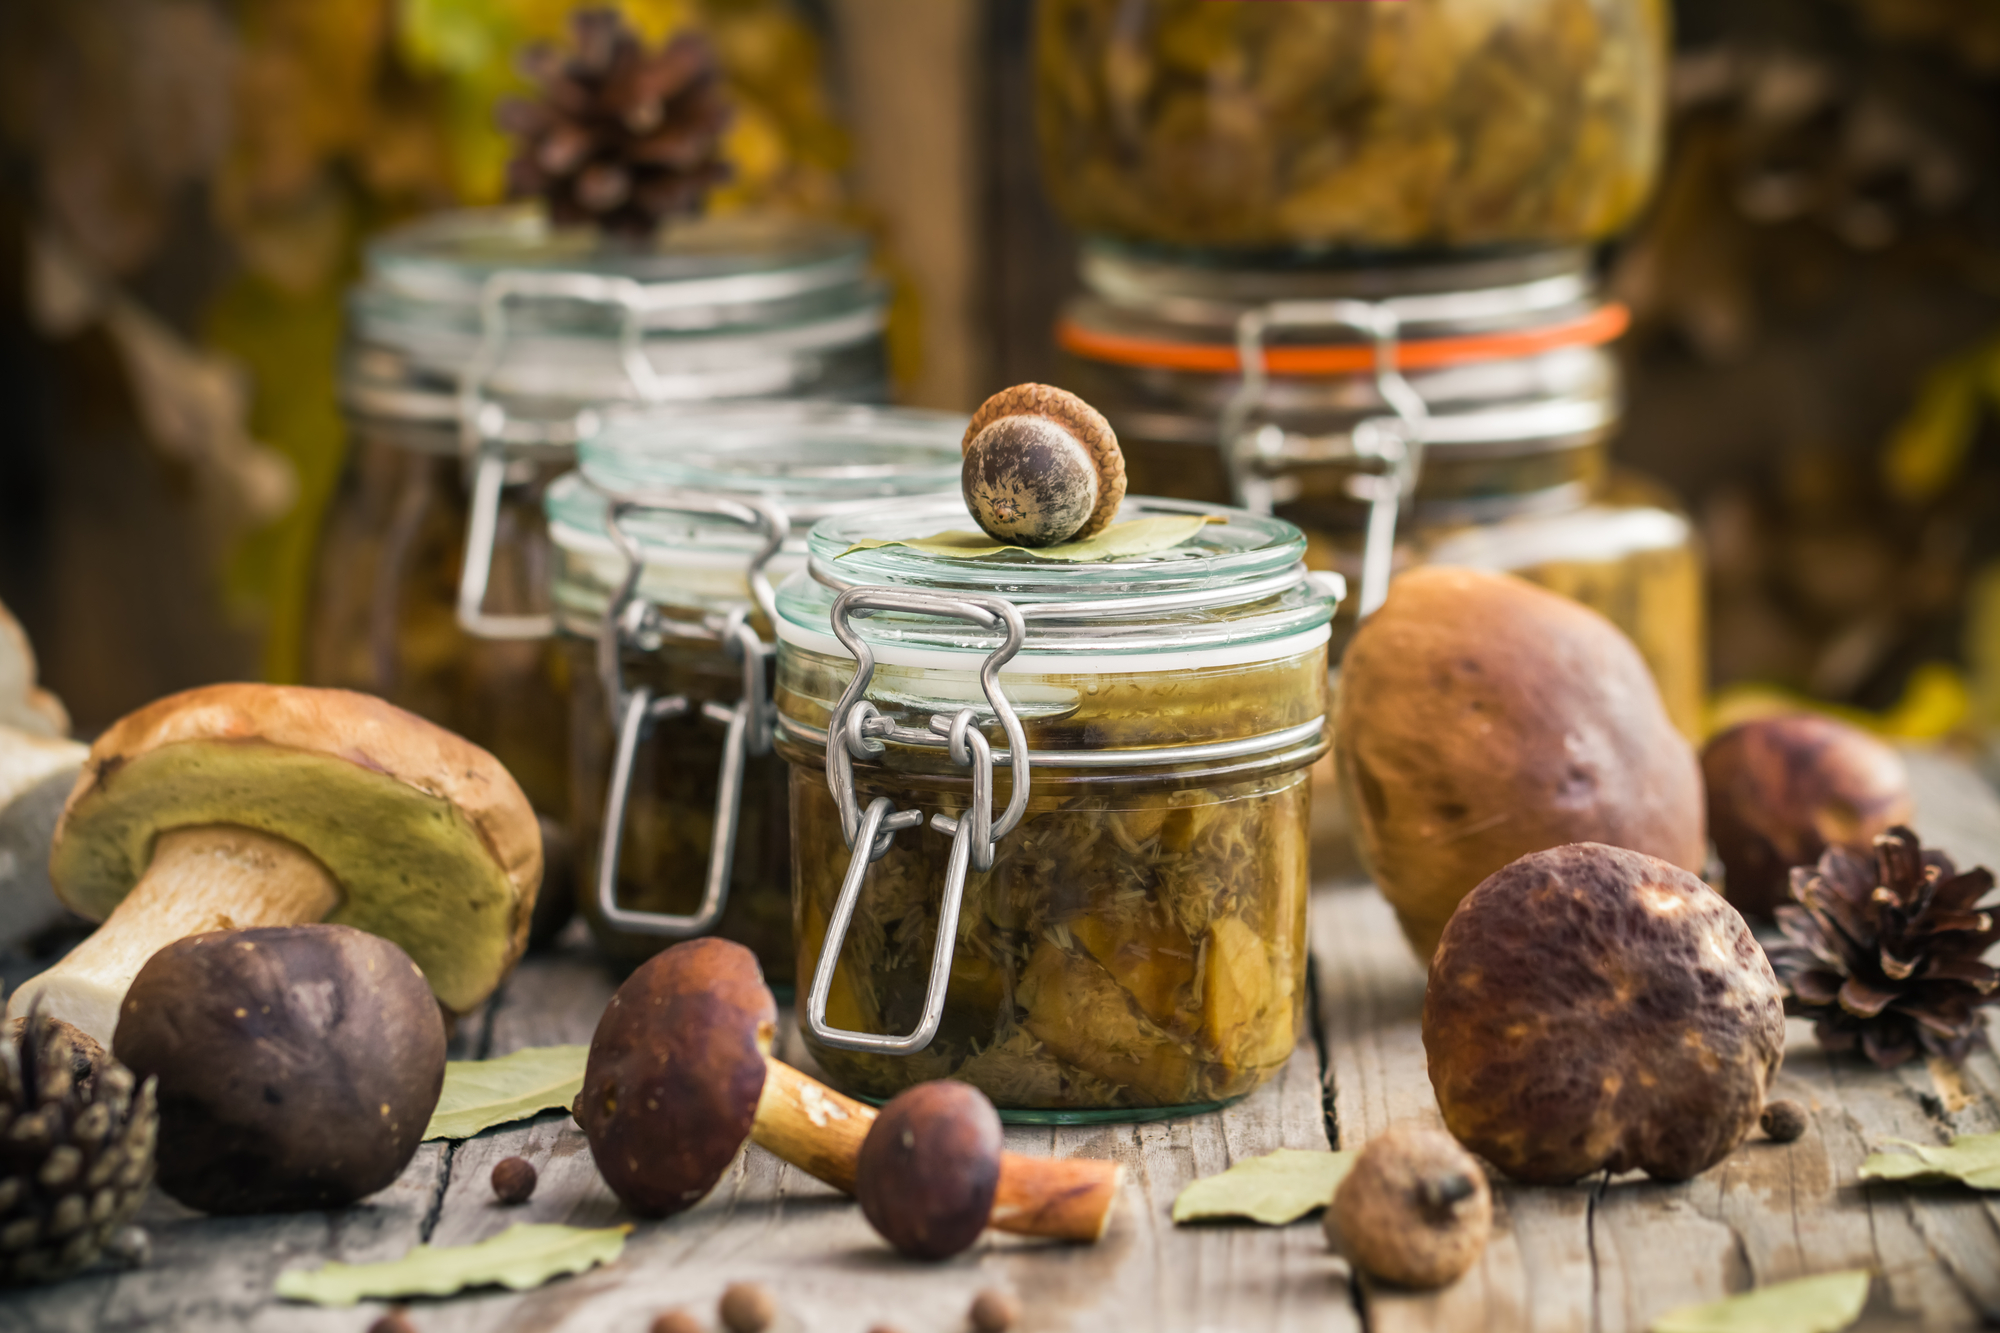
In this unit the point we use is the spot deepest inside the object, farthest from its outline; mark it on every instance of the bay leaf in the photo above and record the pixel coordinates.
(1973, 1159)
(523, 1256)
(1274, 1189)
(1140, 536)
(1820, 1304)
(479, 1094)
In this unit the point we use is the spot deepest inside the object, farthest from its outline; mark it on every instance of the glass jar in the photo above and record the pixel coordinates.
(1448, 412)
(1450, 123)
(481, 345)
(666, 544)
(1079, 801)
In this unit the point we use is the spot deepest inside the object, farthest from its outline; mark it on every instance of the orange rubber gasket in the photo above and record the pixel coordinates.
(1600, 326)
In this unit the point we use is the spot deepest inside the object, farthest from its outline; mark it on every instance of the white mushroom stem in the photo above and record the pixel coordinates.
(209, 877)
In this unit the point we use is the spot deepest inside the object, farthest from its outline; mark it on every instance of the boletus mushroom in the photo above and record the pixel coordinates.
(1041, 467)
(930, 1168)
(298, 1066)
(234, 806)
(1591, 1008)
(1781, 790)
(679, 1075)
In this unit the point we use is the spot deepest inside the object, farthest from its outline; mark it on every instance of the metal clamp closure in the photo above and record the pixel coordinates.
(1392, 446)
(857, 731)
(630, 620)
(483, 424)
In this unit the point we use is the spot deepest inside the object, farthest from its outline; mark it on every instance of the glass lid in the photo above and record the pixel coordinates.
(807, 459)
(1239, 579)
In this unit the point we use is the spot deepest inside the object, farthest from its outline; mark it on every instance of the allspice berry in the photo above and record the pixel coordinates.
(747, 1307)
(681, 1320)
(1783, 1120)
(513, 1180)
(995, 1311)
(393, 1322)
(1415, 1209)
(1041, 467)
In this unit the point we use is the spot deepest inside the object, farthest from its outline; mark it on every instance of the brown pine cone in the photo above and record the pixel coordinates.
(621, 137)
(1884, 953)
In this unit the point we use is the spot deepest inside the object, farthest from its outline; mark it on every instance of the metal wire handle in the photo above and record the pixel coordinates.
(482, 422)
(1395, 443)
(631, 619)
(856, 730)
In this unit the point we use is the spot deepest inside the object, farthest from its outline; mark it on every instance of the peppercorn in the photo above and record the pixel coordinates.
(1783, 1120)
(393, 1322)
(747, 1307)
(994, 1311)
(677, 1321)
(514, 1179)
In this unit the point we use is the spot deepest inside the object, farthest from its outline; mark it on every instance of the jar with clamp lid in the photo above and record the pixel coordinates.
(481, 345)
(1449, 123)
(1445, 411)
(1049, 820)
(667, 541)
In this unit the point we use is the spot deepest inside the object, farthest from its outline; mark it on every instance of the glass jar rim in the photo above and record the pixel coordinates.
(1237, 591)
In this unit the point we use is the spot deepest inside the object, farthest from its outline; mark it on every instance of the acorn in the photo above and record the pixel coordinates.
(1041, 467)
(1415, 1208)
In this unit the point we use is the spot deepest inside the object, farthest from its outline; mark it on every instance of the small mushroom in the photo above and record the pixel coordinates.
(679, 1075)
(36, 774)
(930, 1167)
(298, 1065)
(267, 805)
(1041, 467)
(1414, 1209)
(1781, 790)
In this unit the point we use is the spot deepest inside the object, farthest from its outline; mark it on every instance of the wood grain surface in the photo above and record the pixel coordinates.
(1603, 1256)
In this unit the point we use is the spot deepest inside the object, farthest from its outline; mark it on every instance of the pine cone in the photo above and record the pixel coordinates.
(1884, 954)
(621, 137)
(76, 1149)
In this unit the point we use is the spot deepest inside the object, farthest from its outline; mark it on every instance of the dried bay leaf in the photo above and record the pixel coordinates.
(1820, 1304)
(1140, 536)
(1274, 1189)
(479, 1094)
(521, 1257)
(1973, 1159)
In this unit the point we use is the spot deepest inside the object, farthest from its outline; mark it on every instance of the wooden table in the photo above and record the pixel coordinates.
(1599, 1257)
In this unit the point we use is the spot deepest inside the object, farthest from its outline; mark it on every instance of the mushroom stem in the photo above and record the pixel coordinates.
(207, 877)
(819, 1131)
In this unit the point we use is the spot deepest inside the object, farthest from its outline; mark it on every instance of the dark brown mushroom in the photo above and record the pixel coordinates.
(930, 1168)
(298, 1065)
(679, 1075)
(1041, 467)
(1781, 790)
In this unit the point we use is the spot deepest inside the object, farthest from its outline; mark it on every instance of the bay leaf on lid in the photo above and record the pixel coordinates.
(1139, 536)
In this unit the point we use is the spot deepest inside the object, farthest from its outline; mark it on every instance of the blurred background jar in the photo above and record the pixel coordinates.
(1472, 399)
(481, 346)
(667, 543)
(1452, 123)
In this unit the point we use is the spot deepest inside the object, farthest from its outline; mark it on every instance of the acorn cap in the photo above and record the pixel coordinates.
(1041, 467)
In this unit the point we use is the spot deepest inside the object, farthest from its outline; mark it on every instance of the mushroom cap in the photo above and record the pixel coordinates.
(1037, 449)
(930, 1167)
(298, 1065)
(675, 1070)
(431, 841)
(1781, 790)
(1591, 1008)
